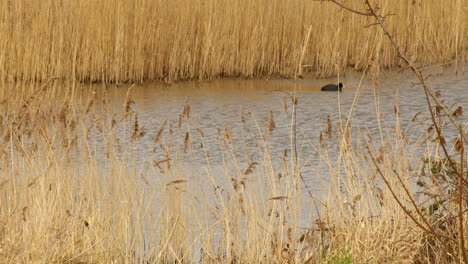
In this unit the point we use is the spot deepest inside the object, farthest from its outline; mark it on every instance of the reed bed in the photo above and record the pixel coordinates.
(74, 189)
(134, 41)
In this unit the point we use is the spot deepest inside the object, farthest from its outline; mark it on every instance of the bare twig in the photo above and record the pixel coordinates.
(462, 257)
(350, 9)
(428, 229)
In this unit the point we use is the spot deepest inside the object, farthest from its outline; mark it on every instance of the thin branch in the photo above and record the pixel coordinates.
(462, 257)
(413, 202)
(417, 72)
(395, 196)
(350, 9)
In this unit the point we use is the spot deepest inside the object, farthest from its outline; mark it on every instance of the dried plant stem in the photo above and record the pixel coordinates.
(294, 146)
(372, 11)
(428, 228)
(168, 240)
(133, 41)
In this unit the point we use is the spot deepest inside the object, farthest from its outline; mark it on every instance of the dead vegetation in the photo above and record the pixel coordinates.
(132, 41)
(74, 190)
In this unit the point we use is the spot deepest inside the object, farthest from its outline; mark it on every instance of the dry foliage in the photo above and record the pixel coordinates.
(171, 40)
(73, 190)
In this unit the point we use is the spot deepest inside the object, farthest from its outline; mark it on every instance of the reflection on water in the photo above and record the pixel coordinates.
(243, 106)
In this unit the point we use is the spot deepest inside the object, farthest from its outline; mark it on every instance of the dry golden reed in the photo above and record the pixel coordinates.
(74, 190)
(171, 40)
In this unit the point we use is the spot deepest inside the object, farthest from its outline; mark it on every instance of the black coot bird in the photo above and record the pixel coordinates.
(332, 87)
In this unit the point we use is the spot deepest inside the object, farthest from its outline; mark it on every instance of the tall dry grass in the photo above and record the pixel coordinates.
(75, 188)
(173, 40)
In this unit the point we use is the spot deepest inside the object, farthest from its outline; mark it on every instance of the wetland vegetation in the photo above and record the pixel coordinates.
(127, 40)
(84, 181)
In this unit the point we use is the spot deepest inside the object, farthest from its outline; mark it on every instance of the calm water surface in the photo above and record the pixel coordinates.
(215, 105)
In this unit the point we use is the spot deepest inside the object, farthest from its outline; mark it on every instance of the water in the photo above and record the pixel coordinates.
(244, 107)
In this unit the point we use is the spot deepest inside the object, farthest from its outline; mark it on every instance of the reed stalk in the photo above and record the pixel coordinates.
(133, 41)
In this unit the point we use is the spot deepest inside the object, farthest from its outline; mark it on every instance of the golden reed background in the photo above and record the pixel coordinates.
(134, 40)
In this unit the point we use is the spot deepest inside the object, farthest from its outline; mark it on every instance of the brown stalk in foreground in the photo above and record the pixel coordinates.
(380, 20)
